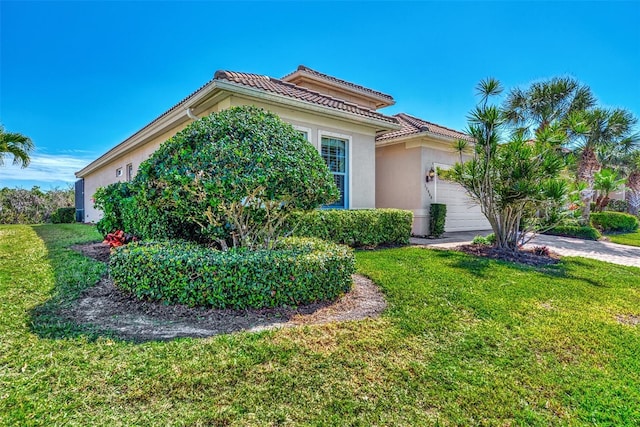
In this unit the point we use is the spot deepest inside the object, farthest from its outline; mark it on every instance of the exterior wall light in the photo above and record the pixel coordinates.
(430, 175)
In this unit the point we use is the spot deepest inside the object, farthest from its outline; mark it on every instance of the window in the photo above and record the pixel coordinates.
(129, 172)
(305, 132)
(118, 172)
(334, 152)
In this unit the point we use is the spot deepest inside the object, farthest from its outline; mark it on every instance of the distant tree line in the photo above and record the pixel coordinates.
(35, 206)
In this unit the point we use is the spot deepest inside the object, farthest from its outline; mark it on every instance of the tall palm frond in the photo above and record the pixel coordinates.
(546, 102)
(16, 145)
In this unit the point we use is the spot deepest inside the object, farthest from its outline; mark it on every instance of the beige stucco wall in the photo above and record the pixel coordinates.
(107, 174)
(400, 183)
(361, 152)
(399, 168)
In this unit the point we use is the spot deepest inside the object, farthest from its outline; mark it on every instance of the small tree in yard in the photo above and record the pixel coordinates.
(514, 178)
(235, 176)
(605, 182)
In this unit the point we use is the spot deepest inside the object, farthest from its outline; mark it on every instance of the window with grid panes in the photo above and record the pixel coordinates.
(334, 153)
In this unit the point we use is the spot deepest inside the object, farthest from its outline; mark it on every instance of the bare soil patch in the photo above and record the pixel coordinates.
(110, 309)
(98, 251)
(628, 319)
(524, 256)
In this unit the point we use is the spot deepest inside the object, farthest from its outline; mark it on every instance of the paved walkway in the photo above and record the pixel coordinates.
(565, 246)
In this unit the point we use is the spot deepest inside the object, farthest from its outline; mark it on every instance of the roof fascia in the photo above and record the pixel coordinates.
(326, 82)
(178, 116)
(425, 135)
(153, 129)
(303, 105)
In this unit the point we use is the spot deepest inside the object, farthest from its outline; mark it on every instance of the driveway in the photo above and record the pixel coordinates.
(565, 246)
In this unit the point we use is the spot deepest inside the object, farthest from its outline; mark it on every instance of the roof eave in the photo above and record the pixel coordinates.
(178, 116)
(156, 127)
(384, 100)
(304, 105)
(423, 134)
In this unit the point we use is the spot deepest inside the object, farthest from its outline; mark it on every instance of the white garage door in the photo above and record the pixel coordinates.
(462, 213)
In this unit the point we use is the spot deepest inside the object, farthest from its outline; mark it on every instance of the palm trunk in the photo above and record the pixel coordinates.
(587, 168)
(633, 195)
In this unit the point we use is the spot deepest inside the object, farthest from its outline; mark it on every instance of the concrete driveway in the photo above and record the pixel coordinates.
(565, 246)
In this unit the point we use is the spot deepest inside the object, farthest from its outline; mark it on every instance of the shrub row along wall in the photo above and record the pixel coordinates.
(581, 232)
(616, 222)
(356, 228)
(299, 271)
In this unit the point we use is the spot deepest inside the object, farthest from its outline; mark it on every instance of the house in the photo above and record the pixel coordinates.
(382, 159)
(407, 165)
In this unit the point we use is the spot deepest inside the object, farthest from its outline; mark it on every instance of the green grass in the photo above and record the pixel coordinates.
(465, 341)
(630, 239)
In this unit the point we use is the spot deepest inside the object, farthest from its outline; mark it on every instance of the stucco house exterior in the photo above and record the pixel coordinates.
(407, 164)
(377, 160)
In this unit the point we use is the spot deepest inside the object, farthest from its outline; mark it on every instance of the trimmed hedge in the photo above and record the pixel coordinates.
(356, 228)
(581, 232)
(64, 216)
(299, 271)
(437, 218)
(616, 205)
(616, 222)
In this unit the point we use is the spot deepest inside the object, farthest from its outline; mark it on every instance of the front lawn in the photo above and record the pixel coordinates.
(630, 239)
(465, 341)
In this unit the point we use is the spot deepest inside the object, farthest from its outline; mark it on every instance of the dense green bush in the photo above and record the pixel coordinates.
(616, 222)
(617, 205)
(356, 228)
(233, 177)
(437, 218)
(64, 216)
(581, 232)
(109, 200)
(149, 223)
(297, 271)
(35, 206)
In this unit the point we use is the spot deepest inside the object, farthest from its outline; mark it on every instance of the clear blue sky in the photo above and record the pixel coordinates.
(79, 77)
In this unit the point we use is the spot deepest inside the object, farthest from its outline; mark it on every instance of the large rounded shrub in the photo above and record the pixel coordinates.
(297, 271)
(232, 178)
(616, 222)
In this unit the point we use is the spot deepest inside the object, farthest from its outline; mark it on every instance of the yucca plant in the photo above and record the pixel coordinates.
(514, 178)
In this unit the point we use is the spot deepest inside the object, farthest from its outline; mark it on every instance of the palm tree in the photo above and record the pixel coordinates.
(460, 146)
(607, 131)
(633, 182)
(17, 145)
(606, 182)
(547, 102)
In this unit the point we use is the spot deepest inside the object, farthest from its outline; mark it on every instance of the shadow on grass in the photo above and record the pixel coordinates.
(575, 269)
(85, 302)
(480, 266)
(73, 273)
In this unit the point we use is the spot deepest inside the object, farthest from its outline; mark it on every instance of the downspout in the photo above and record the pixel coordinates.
(190, 114)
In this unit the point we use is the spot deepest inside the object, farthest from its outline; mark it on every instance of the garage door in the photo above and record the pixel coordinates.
(462, 213)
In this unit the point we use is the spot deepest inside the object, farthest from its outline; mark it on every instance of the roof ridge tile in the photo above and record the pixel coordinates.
(309, 70)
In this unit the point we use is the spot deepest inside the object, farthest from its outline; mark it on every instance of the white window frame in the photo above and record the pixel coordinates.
(349, 139)
(118, 172)
(304, 129)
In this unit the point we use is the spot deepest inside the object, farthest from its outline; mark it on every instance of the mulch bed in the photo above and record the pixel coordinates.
(108, 308)
(523, 256)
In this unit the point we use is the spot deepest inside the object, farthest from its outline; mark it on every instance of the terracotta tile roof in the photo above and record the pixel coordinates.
(341, 82)
(277, 86)
(412, 126)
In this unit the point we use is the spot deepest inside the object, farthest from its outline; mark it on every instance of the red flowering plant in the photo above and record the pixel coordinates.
(119, 238)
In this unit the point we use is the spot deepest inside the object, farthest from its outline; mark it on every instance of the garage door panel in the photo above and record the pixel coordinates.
(462, 213)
